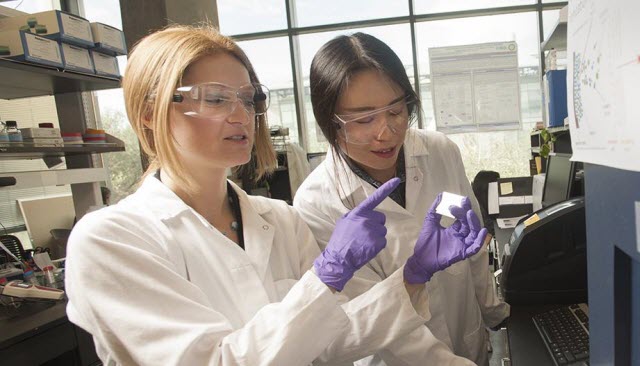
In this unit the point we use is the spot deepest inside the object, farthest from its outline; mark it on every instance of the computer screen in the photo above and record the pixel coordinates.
(559, 178)
(45, 213)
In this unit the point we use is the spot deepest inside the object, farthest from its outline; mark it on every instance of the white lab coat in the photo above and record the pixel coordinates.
(463, 297)
(156, 284)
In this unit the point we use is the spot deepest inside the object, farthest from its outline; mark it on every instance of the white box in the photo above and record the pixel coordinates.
(53, 24)
(43, 142)
(40, 132)
(105, 65)
(108, 39)
(77, 59)
(26, 46)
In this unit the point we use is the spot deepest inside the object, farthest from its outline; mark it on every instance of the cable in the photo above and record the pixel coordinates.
(5, 229)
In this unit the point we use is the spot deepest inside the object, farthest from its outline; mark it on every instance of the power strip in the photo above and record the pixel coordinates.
(21, 289)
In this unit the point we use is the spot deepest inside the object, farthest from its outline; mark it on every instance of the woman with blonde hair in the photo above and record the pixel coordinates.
(189, 270)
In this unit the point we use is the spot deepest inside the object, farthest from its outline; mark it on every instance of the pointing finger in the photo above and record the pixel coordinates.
(377, 197)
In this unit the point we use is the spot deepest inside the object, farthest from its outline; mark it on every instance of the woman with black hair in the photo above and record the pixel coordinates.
(365, 105)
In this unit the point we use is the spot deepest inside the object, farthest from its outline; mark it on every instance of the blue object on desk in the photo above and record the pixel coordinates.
(557, 82)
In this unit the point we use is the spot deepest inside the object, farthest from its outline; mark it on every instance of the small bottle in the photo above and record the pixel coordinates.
(15, 136)
(49, 277)
(29, 276)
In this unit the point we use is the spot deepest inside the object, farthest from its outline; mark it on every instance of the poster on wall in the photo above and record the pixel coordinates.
(603, 82)
(475, 87)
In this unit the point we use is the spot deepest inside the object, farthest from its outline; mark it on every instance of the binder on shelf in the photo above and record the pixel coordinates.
(556, 88)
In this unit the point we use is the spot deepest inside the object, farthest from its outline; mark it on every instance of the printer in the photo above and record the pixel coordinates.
(545, 261)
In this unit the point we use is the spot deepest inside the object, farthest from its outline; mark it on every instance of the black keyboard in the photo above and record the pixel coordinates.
(565, 332)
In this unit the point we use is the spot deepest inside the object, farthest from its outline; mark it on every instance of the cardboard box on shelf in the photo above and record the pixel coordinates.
(53, 24)
(108, 40)
(25, 46)
(77, 59)
(105, 65)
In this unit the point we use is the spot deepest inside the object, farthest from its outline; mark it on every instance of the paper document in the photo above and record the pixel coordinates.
(506, 188)
(515, 200)
(494, 207)
(603, 79)
(475, 87)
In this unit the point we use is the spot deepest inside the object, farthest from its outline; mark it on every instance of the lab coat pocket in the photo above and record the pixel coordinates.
(475, 343)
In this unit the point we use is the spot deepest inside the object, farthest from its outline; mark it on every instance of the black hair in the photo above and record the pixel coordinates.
(337, 61)
(331, 69)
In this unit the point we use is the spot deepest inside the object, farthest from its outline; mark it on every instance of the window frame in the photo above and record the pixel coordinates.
(293, 31)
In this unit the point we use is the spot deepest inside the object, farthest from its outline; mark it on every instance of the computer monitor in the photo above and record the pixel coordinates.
(43, 214)
(559, 179)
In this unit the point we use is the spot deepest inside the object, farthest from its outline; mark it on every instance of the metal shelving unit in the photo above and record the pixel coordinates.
(23, 80)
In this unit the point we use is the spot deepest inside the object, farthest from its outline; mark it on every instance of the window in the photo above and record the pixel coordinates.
(507, 152)
(125, 168)
(313, 12)
(32, 6)
(314, 23)
(439, 6)
(272, 62)
(251, 16)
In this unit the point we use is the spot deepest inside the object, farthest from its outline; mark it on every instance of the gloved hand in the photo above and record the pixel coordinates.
(438, 248)
(358, 237)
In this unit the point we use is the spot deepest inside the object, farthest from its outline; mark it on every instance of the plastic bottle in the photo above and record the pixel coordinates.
(30, 277)
(49, 277)
(15, 136)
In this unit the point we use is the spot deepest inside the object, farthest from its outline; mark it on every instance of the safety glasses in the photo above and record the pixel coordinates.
(364, 127)
(216, 101)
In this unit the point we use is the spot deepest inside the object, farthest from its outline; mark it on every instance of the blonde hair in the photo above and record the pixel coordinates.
(154, 70)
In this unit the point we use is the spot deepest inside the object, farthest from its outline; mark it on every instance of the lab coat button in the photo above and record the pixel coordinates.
(416, 178)
(266, 227)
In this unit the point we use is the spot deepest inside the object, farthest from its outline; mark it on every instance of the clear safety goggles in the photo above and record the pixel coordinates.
(364, 127)
(217, 101)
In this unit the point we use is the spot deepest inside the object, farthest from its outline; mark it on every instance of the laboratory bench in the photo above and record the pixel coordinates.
(39, 333)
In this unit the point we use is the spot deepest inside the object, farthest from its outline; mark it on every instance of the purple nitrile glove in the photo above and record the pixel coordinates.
(469, 222)
(357, 238)
(438, 248)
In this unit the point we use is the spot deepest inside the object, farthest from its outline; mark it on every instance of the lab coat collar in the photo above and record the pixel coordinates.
(352, 188)
(258, 232)
(166, 204)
